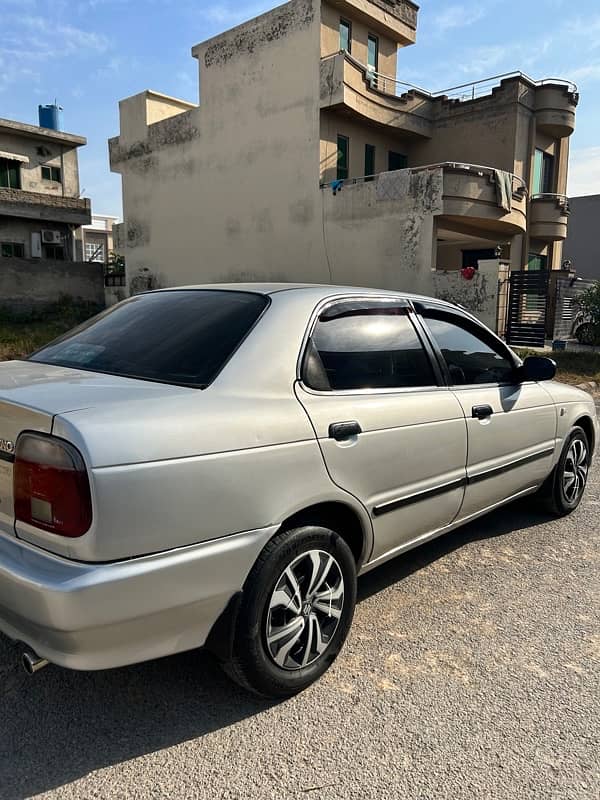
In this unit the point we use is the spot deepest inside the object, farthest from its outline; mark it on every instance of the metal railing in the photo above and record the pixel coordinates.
(462, 92)
(519, 185)
(561, 199)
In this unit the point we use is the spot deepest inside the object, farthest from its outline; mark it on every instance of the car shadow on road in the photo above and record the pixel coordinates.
(60, 725)
(516, 516)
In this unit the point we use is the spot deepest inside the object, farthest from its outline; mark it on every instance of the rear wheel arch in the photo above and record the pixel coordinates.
(339, 517)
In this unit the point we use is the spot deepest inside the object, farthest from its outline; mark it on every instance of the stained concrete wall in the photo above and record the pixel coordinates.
(28, 283)
(381, 233)
(479, 295)
(229, 190)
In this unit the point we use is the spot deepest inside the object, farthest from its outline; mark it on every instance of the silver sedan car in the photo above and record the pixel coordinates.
(214, 466)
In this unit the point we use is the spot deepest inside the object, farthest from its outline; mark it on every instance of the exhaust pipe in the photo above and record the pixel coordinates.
(32, 663)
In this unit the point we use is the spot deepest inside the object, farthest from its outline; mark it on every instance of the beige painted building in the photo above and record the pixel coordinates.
(40, 203)
(239, 187)
(95, 242)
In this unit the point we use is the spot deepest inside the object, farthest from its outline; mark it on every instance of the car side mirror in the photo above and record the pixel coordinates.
(537, 368)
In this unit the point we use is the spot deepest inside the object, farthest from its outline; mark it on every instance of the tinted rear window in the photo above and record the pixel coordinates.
(179, 337)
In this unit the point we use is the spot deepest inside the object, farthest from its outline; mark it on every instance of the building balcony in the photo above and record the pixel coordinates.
(467, 198)
(45, 207)
(474, 202)
(549, 217)
(347, 84)
(555, 105)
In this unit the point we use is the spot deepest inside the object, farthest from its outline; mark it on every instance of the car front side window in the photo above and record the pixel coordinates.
(470, 356)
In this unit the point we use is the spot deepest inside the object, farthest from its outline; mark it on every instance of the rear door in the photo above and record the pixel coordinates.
(390, 433)
(511, 425)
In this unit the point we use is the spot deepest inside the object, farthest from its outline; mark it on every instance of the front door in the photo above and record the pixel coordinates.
(511, 425)
(390, 433)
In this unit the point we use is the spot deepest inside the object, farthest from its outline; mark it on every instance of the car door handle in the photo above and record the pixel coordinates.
(482, 412)
(344, 430)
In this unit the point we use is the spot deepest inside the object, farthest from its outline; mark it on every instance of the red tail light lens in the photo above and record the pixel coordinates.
(51, 487)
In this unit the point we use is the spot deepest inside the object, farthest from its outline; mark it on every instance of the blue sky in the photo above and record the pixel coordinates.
(90, 53)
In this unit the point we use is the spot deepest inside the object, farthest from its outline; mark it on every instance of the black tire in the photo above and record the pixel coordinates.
(560, 498)
(253, 664)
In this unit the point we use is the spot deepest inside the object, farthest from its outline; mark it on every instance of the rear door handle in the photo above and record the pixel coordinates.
(344, 430)
(482, 412)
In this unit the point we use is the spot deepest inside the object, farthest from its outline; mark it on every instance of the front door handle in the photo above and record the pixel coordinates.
(482, 412)
(344, 430)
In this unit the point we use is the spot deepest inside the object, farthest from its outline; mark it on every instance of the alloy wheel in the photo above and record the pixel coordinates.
(575, 470)
(304, 610)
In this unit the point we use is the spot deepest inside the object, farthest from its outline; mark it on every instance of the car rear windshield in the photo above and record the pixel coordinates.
(182, 337)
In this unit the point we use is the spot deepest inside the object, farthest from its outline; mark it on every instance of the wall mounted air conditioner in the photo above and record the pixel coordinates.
(51, 237)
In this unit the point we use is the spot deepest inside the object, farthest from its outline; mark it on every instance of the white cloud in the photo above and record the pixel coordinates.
(458, 16)
(231, 14)
(584, 172)
(585, 73)
(29, 41)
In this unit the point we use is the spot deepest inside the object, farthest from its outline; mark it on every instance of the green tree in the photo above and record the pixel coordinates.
(588, 325)
(116, 264)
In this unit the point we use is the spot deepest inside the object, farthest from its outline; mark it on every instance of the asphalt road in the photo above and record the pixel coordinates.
(472, 671)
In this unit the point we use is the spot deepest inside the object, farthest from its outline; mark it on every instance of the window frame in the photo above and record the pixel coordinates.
(395, 153)
(12, 245)
(370, 153)
(371, 37)
(545, 172)
(54, 247)
(348, 24)
(340, 136)
(17, 167)
(369, 300)
(94, 246)
(52, 170)
(473, 326)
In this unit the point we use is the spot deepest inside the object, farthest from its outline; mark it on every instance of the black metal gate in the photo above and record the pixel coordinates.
(527, 308)
(567, 316)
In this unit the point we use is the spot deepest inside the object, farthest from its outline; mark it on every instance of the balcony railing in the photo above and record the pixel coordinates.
(462, 92)
(518, 184)
(561, 200)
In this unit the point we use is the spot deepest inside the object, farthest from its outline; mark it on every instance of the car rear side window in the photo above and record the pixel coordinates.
(183, 337)
(470, 355)
(366, 347)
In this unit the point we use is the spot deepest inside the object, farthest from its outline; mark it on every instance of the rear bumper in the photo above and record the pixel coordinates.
(97, 616)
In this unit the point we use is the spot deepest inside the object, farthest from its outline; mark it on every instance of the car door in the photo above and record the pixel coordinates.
(511, 424)
(391, 434)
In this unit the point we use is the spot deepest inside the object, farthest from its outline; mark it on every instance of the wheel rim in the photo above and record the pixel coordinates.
(305, 610)
(575, 470)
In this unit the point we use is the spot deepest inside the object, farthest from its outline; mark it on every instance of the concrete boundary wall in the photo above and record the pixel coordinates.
(32, 283)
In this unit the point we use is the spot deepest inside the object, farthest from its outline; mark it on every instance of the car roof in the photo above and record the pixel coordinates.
(318, 290)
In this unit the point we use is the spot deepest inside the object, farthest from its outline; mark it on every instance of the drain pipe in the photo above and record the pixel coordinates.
(32, 663)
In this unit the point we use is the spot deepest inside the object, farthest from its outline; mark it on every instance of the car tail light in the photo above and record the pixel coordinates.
(51, 487)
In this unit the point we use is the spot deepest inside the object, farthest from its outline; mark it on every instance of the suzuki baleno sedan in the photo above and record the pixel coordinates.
(214, 466)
